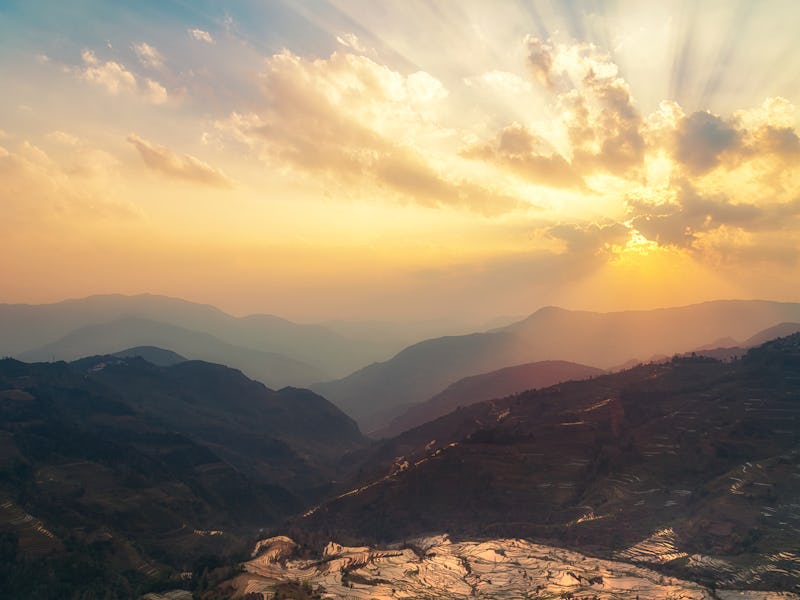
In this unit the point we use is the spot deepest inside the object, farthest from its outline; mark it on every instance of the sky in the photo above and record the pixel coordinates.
(400, 159)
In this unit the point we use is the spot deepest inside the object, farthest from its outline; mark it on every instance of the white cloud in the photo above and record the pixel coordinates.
(62, 137)
(148, 55)
(112, 76)
(88, 57)
(423, 87)
(201, 36)
(500, 81)
(155, 92)
(116, 78)
(350, 40)
(359, 124)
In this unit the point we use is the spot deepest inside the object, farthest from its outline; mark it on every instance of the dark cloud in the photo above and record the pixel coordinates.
(702, 139)
(678, 223)
(590, 238)
(517, 149)
(540, 61)
(615, 129)
(407, 173)
(781, 141)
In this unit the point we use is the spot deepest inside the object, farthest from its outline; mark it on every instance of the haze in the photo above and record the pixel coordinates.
(402, 160)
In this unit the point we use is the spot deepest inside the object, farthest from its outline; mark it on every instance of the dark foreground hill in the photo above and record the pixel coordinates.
(692, 465)
(114, 471)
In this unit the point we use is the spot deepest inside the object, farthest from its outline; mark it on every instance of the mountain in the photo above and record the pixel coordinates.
(106, 338)
(486, 386)
(377, 393)
(729, 349)
(780, 330)
(690, 466)
(115, 471)
(25, 328)
(152, 354)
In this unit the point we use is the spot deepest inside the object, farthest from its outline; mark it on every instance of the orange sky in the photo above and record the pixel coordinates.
(400, 159)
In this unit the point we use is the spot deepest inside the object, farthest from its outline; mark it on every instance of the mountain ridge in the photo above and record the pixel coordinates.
(602, 340)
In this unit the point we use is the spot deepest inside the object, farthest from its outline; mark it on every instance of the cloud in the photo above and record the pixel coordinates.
(62, 137)
(600, 127)
(201, 36)
(524, 153)
(350, 40)
(148, 55)
(357, 122)
(183, 167)
(116, 79)
(696, 221)
(155, 92)
(499, 81)
(112, 76)
(702, 139)
(590, 238)
(38, 189)
(540, 61)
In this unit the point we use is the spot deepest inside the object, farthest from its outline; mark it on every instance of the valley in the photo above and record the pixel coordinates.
(675, 478)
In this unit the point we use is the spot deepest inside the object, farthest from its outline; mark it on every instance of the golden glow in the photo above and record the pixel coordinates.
(492, 163)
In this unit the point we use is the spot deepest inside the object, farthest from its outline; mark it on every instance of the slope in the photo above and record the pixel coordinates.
(115, 471)
(692, 466)
(495, 384)
(377, 393)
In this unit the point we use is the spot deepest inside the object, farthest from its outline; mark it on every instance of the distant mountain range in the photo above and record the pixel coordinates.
(380, 392)
(275, 369)
(130, 471)
(269, 348)
(690, 466)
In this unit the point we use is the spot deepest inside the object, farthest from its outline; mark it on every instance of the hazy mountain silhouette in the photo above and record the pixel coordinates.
(25, 328)
(106, 338)
(152, 354)
(120, 469)
(780, 330)
(495, 384)
(693, 457)
(377, 393)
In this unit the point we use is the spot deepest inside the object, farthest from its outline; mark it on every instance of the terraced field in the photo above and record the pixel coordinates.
(438, 568)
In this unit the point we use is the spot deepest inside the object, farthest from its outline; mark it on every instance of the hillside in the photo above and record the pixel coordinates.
(133, 472)
(486, 386)
(691, 466)
(376, 394)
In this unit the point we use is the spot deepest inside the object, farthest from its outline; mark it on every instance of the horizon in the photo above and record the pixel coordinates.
(443, 319)
(403, 161)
